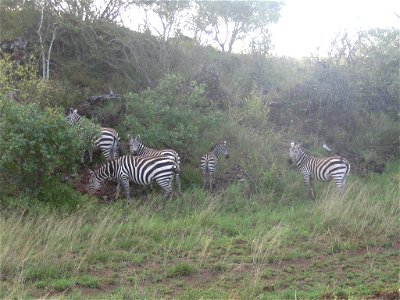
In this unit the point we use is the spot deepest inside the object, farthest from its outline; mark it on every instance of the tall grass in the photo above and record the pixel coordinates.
(223, 232)
(362, 211)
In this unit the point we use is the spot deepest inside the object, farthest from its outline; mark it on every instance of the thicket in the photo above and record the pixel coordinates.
(178, 94)
(39, 149)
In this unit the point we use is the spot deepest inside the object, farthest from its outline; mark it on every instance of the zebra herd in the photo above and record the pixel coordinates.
(145, 165)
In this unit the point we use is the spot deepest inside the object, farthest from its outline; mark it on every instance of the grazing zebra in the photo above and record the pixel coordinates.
(324, 169)
(208, 163)
(108, 142)
(140, 170)
(136, 147)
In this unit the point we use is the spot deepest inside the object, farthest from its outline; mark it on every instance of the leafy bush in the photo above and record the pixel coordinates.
(36, 146)
(21, 82)
(172, 115)
(88, 132)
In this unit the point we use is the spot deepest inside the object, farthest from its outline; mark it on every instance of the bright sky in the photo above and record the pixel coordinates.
(308, 26)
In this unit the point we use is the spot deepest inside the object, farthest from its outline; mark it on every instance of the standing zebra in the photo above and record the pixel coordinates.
(137, 148)
(209, 161)
(324, 169)
(140, 170)
(108, 142)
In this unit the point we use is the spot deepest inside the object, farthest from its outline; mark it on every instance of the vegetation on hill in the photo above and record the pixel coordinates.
(255, 236)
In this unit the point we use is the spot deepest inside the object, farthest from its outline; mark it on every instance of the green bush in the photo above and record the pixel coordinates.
(174, 114)
(36, 146)
(271, 182)
(22, 82)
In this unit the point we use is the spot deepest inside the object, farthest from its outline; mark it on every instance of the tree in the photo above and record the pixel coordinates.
(46, 56)
(169, 13)
(371, 59)
(229, 21)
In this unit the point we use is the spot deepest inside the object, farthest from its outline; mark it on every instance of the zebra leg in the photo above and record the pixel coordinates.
(308, 183)
(212, 180)
(340, 183)
(167, 188)
(118, 190)
(125, 183)
(90, 155)
(205, 179)
(178, 182)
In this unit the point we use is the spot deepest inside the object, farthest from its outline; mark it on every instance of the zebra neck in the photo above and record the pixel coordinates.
(76, 121)
(143, 150)
(303, 158)
(217, 151)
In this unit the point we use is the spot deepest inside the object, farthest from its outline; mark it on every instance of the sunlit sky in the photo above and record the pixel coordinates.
(308, 26)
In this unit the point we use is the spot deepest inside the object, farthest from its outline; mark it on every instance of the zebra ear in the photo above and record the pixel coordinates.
(138, 137)
(224, 142)
(71, 110)
(292, 144)
(75, 111)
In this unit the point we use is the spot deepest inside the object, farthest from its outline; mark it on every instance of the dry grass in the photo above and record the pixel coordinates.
(361, 211)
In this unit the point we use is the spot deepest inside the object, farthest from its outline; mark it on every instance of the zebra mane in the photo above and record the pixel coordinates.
(217, 144)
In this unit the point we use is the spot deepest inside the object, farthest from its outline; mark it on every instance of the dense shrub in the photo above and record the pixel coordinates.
(36, 146)
(174, 114)
(21, 82)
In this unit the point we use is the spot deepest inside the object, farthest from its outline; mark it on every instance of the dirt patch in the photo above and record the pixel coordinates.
(386, 296)
(91, 293)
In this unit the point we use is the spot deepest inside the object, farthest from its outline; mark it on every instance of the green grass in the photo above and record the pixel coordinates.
(222, 245)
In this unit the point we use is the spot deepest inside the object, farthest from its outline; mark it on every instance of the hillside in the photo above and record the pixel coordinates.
(256, 234)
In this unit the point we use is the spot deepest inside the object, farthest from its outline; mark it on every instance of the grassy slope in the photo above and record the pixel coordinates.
(210, 246)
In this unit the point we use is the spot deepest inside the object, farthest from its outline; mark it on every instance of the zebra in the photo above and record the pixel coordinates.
(324, 169)
(108, 142)
(209, 161)
(137, 148)
(140, 170)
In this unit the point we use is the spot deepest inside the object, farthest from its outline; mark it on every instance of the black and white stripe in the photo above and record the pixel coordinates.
(140, 170)
(209, 161)
(324, 169)
(108, 142)
(137, 148)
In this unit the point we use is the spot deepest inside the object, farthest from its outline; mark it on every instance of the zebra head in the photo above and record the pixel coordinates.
(134, 144)
(295, 152)
(222, 148)
(94, 183)
(73, 116)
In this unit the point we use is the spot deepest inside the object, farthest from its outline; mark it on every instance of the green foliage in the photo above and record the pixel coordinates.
(87, 132)
(271, 182)
(181, 269)
(36, 146)
(88, 281)
(172, 115)
(63, 284)
(21, 82)
(246, 18)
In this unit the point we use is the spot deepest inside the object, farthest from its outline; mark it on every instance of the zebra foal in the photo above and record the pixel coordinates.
(324, 169)
(140, 170)
(209, 161)
(108, 141)
(137, 148)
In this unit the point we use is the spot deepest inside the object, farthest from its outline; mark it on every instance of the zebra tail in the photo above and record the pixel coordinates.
(344, 160)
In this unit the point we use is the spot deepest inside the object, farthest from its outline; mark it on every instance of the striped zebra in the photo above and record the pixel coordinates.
(324, 169)
(137, 148)
(108, 142)
(140, 170)
(209, 161)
